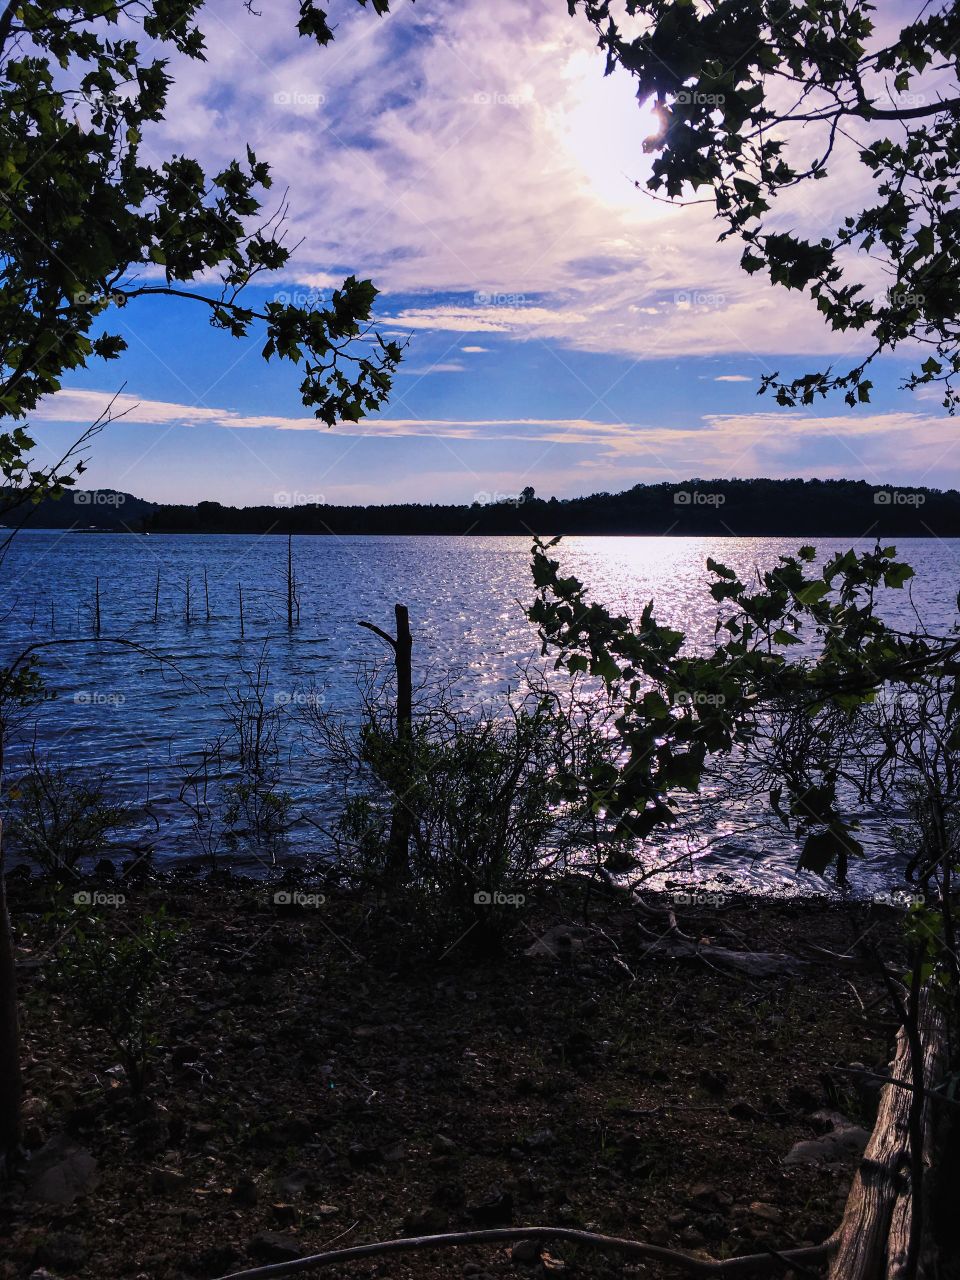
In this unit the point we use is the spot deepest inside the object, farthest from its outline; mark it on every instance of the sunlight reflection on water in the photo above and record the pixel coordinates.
(122, 711)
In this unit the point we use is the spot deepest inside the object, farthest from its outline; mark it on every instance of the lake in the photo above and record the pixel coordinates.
(138, 717)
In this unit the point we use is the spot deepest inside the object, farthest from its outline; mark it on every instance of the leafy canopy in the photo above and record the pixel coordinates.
(756, 97)
(795, 639)
(87, 223)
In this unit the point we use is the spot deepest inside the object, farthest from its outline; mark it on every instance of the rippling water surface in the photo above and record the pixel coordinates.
(135, 718)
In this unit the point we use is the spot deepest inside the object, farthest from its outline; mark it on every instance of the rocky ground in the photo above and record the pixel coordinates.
(317, 1078)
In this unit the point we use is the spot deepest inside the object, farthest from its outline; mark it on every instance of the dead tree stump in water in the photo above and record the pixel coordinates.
(401, 817)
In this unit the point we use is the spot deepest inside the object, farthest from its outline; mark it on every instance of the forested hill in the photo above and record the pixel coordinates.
(846, 508)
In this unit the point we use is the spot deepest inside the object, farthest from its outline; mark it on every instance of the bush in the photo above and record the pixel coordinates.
(112, 980)
(56, 816)
(490, 799)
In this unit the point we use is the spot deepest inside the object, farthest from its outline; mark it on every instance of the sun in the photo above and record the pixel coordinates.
(602, 127)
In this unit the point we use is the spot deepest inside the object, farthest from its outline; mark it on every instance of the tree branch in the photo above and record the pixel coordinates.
(746, 1265)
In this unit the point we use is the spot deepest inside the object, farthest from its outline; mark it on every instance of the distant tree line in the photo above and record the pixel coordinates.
(735, 508)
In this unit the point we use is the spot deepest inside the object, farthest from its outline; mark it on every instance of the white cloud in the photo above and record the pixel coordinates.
(479, 147)
(733, 377)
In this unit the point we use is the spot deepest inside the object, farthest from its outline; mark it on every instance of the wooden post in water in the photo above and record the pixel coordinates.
(96, 609)
(206, 592)
(290, 581)
(401, 818)
(156, 600)
(240, 590)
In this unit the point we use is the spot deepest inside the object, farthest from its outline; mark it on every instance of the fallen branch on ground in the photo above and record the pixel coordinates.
(750, 1264)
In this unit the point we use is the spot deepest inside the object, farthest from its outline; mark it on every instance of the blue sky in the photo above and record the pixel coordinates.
(565, 330)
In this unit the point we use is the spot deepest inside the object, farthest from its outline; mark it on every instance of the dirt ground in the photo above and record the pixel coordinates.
(316, 1079)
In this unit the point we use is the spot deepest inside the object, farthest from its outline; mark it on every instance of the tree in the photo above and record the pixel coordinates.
(747, 91)
(86, 225)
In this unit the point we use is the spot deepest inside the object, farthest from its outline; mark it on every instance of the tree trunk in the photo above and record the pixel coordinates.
(874, 1236)
(401, 819)
(11, 1087)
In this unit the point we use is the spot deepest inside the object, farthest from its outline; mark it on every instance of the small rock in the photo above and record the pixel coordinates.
(444, 1146)
(715, 1082)
(526, 1252)
(244, 1192)
(843, 1144)
(540, 1140)
(271, 1246)
(163, 1180)
(325, 1210)
(766, 1212)
(743, 1110)
(495, 1211)
(64, 1251)
(361, 1156)
(431, 1222)
(60, 1171)
(294, 1184)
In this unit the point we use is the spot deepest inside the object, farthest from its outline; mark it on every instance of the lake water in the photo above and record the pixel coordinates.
(136, 718)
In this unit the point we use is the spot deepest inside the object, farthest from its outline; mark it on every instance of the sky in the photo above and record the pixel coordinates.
(566, 331)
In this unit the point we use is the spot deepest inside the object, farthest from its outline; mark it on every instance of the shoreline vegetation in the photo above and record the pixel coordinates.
(695, 507)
